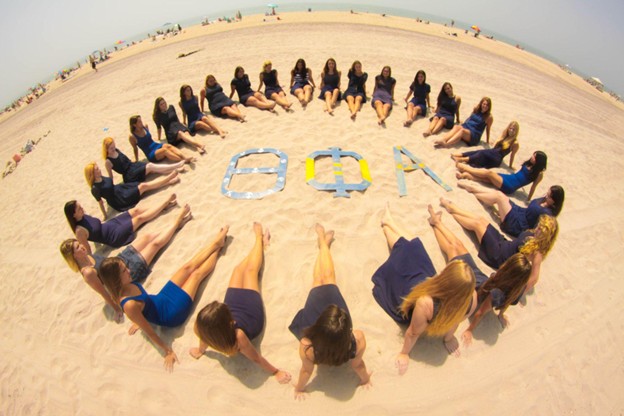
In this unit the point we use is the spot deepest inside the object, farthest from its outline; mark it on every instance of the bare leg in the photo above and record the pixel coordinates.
(186, 137)
(281, 100)
(143, 213)
(233, 112)
(490, 197)
(190, 276)
(150, 244)
(172, 153)
(481, 175)
(410, 115)
(170, 179)
(379, 108)
(307, 92)
(245, 274)
(209, 125)
(351, 104)
(452, 137)
(450, 245)
(162, 169)
(466, 219)
(324, 273)
(334, 98)
(328, 103)
(459, 157)
(438, 125)
(391, 229)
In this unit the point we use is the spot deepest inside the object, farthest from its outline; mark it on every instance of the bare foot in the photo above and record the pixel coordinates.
(223, 133)
(457, 157)
(329, 237)
(439, 143)
(435, 218)
(386, 218)
(174, 180)
(407, 123)
(426, 133)
(242, 119)
(461, 175)
(222, 235)
(185, 216)
(452, 346)
(201, 150)
(172, 201)
(353, 116)
(257, 227)
(446, 204)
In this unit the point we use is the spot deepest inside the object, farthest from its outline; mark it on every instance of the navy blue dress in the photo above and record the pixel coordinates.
(217, 99)
(383, 90)
(495, 249)
(520, 219)
(243, 88)
(131, 171)
(170, 122)
(318, 300)
(193, 113)
(247, 310)
(270, 83)
(447, 109)
(356, 86)
(475, 125)
(420, 96)
(121, 197)
(330, 83)
(115, 232)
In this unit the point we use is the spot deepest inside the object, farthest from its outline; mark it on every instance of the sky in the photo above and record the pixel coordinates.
(39, 37)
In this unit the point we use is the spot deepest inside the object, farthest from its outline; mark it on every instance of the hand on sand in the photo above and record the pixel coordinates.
(467, 338)
(401, 363)
(195, 353)
(452, 346)
(170, 359)
(300, 395)
(504, 321)
(133, 329)
(283, 377)
(118, 316)
(366, 385)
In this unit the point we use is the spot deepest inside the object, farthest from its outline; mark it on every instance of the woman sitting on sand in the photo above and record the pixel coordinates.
(330, 85)
(408, 289)
(116, 232)
(492, 158)
(154, 152)
(272, 89)
(165, 117)
(172, 305)
(246, 96)
(230, 326)
(417, 106)
(191, 112)
(471, 130)
(447, 111)
(301, 82)
(219, 103)
(323, 327)
(116, 161)
(503, 289)
(532, 171)
(124, 196)
(495, 249)
(355, 95)
(515, 219)
(383, 94)
(137, 257)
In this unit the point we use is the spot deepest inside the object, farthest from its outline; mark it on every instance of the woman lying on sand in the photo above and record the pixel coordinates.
(417, 106)
(495, 249)
(166, 118)
(408, 289)
(515, 219)
(301, 82)
(230, 326)
(124, 196)
(137, 257)
(330, 85)
(246, 96)
(532, 171)
(116, 232)
(172, 305)
(219, 103)
(447, 111)
(492, 158)
(323, 327)
(355, 95)
(273, 90)
(191, 112)
(503, 289)
(471, 130)
(154, 152)
(116, 161)
(383, 94)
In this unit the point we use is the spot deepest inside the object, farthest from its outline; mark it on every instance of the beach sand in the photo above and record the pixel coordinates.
(62, 354)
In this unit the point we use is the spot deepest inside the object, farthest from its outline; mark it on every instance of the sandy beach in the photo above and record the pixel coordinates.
(63, 354)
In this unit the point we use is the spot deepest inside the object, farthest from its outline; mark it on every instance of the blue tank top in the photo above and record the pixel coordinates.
(536, 210)
(150, 311)
(270, 78)
(513, 182)
(448, 106)
(144, 142)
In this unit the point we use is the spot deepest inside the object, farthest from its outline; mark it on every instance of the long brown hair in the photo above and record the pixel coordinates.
(133, 121)
(477, 109)
(453, 287)
(110, 275)
(215, 327)
(331, 336)
(70, 210)
(511, 278)
(156, 111)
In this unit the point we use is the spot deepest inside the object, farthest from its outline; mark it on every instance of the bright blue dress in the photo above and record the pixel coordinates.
(515, 181)
(170, 307)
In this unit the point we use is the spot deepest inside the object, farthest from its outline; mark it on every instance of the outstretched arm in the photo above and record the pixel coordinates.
(458, 101)
(133, 310)
(90, 276)
(135, 149)
(357, 363)
(109, 168)
(488, 125)
(101, 203)
(261, 82)
(514, 149)
(534, 185)
(423, 311)
(202, 96)
(535, 271)
(310, 78)
(82, 235)
(307, 367)
(249, 351)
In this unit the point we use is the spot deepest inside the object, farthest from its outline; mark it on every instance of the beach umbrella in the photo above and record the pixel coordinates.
(119, 42)
(475, 28)
(272, 5)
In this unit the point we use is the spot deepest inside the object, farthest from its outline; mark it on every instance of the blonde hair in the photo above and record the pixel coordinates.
(207, 78)
(453, 287)
(67, 251)
(507, 140)
(543, 239)
(89, 173)
(265, 64)
(105, 143)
